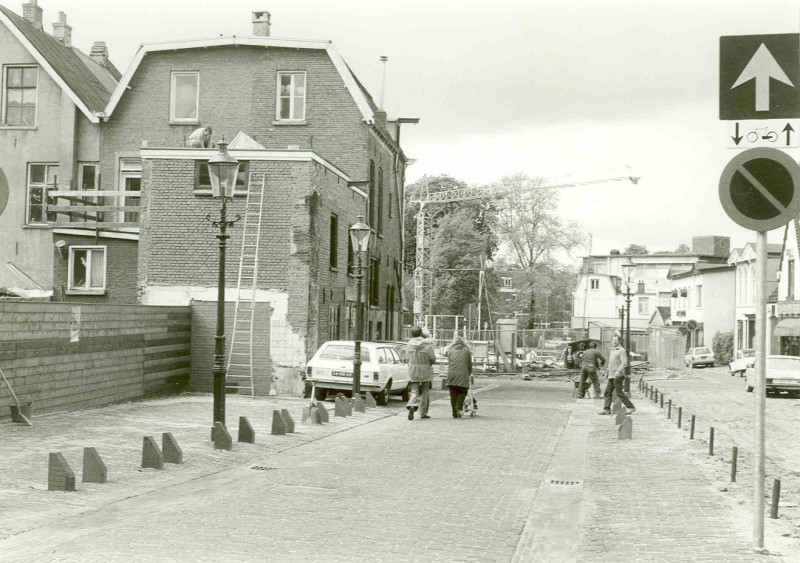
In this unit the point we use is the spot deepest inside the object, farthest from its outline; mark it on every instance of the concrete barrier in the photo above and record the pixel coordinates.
(246, 432)
(323, 413)
(278, 425)
(222, 438)
(625, 431)
(59, 474)
(288, 421)
(339, 408)
(358, 404)
(370, 401)
(94, 470)
(151, 454)
(170, 449)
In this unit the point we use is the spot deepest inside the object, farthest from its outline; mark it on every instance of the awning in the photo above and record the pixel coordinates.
(787, 327)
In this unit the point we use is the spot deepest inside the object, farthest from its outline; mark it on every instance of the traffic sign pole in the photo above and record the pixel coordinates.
(761, 387)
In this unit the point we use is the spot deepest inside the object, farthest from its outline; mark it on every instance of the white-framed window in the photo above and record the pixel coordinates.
(334, 242)
(19, 95)
(333, 323)
(87, 268)
(594, 283)
(506, 282)
(88, 181)
(130, 180)
(41, 179)
(291, 96)
(698, 296)
(184, 99)
(644, 305)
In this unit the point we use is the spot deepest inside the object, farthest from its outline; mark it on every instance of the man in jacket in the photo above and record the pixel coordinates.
(459, 370)
(617, 360)
(592, 359)
(421, 357)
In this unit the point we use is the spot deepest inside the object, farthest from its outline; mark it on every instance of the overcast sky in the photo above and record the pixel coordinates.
(547, 88)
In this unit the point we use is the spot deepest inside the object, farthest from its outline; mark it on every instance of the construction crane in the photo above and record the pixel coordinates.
(423, 282)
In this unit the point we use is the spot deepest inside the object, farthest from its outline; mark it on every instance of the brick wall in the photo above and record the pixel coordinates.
(123, 353)
(121, 270)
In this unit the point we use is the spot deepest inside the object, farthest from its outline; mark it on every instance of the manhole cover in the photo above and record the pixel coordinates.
(567, 483)
(263, 468)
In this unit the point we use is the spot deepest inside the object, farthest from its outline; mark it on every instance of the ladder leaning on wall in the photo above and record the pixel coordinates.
(240, 358)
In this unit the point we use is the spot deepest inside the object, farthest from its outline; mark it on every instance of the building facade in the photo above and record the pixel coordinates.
(783, 319)
(702, 301)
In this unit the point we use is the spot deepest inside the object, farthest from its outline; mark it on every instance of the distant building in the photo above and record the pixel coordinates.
(783, 326)
(702, 301)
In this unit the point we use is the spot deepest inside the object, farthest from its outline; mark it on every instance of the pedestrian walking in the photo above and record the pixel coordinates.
(592, 359)
(459, 370)
(617, 360)
(421, 357)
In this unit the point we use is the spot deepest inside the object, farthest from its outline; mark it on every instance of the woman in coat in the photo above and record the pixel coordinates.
(459, 370)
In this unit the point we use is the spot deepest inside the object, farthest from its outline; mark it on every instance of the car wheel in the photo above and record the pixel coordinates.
(320, 394)
(406, 393)
(382, 397)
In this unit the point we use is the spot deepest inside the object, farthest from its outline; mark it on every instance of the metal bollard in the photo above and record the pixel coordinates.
(711, 441)
(734, 456)
(691, 429)
(669, 409)
(776, 497)
(662, 400)
(680, 415)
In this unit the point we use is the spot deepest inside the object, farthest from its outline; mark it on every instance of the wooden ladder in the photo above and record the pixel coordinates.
(240, 359)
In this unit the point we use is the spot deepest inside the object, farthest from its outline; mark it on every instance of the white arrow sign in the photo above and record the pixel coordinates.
(761, 67)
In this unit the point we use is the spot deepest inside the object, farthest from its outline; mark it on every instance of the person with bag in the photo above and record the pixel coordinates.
(459, 370)
(592, 359)
(617, 360)
(421, 357)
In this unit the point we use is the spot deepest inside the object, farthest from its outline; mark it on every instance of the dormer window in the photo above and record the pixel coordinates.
(291, 96)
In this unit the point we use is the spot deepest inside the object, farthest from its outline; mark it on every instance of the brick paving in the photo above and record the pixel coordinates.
(374, 487)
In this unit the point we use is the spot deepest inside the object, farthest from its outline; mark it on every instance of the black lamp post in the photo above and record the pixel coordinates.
(359, 237)
(628, 265)
(222, 169)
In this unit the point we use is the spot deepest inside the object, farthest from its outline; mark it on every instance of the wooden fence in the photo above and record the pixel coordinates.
(667, 348)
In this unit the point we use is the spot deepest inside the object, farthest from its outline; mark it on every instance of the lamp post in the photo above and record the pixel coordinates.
(359, 238)
(222, 169)
(628, 265)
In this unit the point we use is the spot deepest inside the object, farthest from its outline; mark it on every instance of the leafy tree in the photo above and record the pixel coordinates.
(722, 345)
(683, 249)
(636, 249)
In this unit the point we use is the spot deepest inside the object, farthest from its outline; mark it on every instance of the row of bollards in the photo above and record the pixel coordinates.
(657, 397)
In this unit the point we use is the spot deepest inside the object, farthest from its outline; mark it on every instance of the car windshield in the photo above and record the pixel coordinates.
(343, 352)
(783, 363)
(702, 350)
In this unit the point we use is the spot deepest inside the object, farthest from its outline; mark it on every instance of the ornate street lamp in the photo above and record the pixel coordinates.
(628, 266)
(223, 170)
(359, 237)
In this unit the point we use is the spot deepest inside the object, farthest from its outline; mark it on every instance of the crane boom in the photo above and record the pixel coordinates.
(423, 278)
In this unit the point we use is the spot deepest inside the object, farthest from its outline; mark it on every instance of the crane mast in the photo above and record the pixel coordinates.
(423, 276)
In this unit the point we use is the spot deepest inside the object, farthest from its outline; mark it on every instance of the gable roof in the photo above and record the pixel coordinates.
(62, 64)
(357, 92)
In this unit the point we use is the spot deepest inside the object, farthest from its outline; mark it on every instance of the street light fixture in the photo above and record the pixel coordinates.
(359, 238)
(628, 266)
(223, 170)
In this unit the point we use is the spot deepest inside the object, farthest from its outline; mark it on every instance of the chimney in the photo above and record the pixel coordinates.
(261, 24)
(62, 31)
(33, 13)
(99, 53)
(380, 119)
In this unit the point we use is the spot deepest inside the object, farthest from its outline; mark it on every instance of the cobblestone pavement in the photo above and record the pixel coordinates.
(374, 487)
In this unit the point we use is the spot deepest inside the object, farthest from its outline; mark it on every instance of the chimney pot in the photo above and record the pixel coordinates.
(62, 31)
(99, 53)
(380, 119)
(32, 12)
(261, 24)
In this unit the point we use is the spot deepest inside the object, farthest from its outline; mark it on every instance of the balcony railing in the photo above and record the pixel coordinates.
(94, 209)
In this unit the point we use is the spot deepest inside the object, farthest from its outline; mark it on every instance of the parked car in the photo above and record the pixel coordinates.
(742, 360)
(783, 374)
(383, 372)
(700, 356)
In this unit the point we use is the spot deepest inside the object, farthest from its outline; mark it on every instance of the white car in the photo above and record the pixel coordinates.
(783, 374)
(700, 356)
(383, 373)
(742, 360)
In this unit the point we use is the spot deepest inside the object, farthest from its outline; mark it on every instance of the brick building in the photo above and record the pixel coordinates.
(51, 103)
(301, 122)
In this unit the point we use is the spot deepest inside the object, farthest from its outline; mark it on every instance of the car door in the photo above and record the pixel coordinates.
(399, 370)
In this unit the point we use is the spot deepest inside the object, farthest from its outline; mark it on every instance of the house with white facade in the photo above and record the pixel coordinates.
(702, 301)
(783, 320)
(744, 261)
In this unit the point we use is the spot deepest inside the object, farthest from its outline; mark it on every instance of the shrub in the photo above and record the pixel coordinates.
(722, 346)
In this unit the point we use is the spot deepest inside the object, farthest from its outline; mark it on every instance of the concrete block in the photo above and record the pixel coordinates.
(59, 474)
(616, 406)
(358, 403)
(444, 384)
(151, 454)
(620, 418)
(625, 431)
(278, 425)
(170, 449)
(348, 406)
(94, 470)
(339, 408)
(288, 421)
(222, 438)
(370, 401)
(246, 432)
(323, 413)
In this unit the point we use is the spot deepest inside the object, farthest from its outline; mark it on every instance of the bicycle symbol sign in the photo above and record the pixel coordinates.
(779, 134)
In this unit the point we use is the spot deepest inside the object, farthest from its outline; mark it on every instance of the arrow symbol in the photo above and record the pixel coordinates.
(738, 137)
(761, 67)
(788, 130)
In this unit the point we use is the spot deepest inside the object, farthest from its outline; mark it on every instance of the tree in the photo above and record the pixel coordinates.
(531, 234)
(636, 249)
(683, 249)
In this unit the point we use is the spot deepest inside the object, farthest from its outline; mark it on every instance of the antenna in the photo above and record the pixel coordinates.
(384, 58)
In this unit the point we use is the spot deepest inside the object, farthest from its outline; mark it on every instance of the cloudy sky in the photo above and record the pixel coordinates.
(548, 88)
